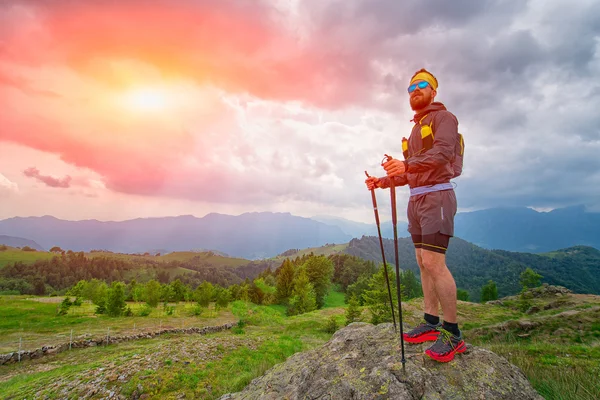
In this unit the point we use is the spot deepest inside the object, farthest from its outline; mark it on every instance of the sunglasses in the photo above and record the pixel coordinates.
(420, 85)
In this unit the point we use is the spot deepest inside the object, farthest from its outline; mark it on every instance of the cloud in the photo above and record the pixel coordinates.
(7, 187)
(33, 172)
(293, 103)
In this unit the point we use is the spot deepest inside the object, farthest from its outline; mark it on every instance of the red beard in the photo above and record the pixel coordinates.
(420, 100)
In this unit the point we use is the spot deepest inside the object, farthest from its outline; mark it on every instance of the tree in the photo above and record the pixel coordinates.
(319, 270)
(352, 312)
(285, 280)
(39, 287)
(268, 292)
(358, 288)
(489, 292)
(179, 290)
(377, 298)
(204, 293)
(411, 287)
(462, 295)
(64, 306)
(303, 295)
(530, 279)
(115, 301)
(152, 293)
(222, 297)
(56, 249)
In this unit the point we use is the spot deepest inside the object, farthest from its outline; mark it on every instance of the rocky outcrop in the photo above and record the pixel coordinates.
(47, 350)
(363, 361)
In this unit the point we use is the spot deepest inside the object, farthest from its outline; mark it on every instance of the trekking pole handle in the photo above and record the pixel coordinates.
(386, 158)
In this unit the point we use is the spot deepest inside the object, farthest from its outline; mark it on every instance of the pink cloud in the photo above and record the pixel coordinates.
(238, 46)
(33, 172)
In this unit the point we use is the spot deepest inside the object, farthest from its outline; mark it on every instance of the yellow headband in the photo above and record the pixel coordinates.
(427, 77)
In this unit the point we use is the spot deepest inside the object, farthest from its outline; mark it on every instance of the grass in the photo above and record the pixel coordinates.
(37, 324)
(13, 255)
(561, 367)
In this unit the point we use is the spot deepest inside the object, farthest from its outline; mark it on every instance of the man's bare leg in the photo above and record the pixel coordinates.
(439, 276)
(430, 299)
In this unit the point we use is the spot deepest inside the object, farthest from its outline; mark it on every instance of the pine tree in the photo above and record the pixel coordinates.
(303, 295)
(115, 302)
(352, 312)
(319, 270)
(285, 281)
(377, 298)
(152, 293)
(204, 293)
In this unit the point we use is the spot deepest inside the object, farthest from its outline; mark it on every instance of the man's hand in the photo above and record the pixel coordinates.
(372, 182)
(394, 167)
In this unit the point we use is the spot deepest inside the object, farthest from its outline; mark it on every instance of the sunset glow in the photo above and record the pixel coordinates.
(147, 100)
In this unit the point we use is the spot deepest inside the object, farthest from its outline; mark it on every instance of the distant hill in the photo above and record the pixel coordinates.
(513, 229)
(250, 235)
(526, 230)
(19, 242)
(577, 268)
(358, 229)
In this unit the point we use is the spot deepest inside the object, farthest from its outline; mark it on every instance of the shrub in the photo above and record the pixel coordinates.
(331, 326)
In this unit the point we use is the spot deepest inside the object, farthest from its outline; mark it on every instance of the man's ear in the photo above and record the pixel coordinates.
(433, 94)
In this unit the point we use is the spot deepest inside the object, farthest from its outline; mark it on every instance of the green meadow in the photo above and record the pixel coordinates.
(559, 366)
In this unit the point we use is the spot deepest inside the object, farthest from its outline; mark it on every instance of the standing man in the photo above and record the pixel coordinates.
(432, 156)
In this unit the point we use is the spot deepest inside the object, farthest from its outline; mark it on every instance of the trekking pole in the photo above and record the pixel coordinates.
(395, 223)
(387, 279)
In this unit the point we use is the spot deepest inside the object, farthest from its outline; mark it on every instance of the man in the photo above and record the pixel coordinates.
(433, 155)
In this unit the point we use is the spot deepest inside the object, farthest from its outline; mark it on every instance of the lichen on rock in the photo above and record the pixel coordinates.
(363, 361)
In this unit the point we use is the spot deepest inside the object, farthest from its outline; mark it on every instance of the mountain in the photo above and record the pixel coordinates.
(250, 235)
(526, 230)
(19, 242)
(358, 229)
(513, 229)
(577, 268)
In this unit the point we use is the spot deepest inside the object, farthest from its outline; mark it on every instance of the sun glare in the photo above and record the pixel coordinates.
(146, 100)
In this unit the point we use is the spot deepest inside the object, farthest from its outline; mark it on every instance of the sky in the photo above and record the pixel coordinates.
(120, 110)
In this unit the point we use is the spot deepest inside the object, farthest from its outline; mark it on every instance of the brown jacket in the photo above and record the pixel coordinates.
(434, 165)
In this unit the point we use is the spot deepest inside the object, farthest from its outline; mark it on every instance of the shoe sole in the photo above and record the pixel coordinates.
(426, 337)
(461, 348)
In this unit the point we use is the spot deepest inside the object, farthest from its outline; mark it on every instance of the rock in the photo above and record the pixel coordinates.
(533, 310)
(362, 361)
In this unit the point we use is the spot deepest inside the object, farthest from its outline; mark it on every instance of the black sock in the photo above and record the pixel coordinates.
(432, 319)
(452, 328)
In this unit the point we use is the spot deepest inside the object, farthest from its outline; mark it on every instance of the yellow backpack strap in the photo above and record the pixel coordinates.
(427, 134)
(405, 147)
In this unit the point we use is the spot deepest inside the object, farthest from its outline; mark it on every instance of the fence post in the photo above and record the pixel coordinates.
(20, 342)
(107, 335)
(71, 340)
(160, 328)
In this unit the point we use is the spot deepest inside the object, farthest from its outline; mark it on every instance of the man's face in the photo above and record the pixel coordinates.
(421, 98)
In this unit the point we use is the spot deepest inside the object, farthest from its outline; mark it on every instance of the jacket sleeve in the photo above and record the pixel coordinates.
(446, 133)
(401, 180)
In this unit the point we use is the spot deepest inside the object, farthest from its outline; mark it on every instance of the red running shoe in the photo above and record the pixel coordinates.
(423, 332)
(446, 346)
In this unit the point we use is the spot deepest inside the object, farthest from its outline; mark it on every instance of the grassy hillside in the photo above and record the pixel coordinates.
(556, 347)
(12, 255)
(326, 250)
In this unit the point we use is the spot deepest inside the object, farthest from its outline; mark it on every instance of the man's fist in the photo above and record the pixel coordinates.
(394, 167)
(372, 182)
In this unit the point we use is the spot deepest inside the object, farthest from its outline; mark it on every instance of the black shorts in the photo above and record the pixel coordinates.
(437, 242)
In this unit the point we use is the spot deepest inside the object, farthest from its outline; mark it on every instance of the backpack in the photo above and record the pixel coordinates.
(428, 136)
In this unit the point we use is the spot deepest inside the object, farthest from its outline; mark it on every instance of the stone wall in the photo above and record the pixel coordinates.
(79, 344)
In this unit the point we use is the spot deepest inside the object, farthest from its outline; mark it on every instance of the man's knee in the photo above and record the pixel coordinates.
(432, 261)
